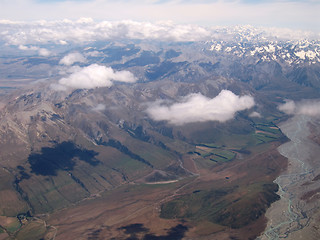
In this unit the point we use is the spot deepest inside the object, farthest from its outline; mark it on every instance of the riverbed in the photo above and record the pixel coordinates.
(291, 217)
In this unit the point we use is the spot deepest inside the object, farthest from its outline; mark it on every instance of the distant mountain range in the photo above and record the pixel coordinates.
(244, 53)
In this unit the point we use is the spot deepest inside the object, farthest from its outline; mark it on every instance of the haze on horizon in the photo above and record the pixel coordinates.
(293, 14)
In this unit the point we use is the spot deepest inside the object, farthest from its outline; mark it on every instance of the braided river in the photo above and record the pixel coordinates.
(291, 217)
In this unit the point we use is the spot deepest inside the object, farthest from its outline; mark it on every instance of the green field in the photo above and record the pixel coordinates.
(217, 154)
(267, 132)
(228, 146)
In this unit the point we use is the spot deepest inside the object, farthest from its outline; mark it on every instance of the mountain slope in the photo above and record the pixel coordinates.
(65, 149)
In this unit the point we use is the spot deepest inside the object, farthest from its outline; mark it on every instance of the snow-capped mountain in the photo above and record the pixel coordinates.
(290, 51)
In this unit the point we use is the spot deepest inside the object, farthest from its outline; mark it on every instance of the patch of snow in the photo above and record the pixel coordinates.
(218, 47)
(301, 54)
(260, 49)
(228, 49)
(270, 48)
(289, 61)
(311, 55)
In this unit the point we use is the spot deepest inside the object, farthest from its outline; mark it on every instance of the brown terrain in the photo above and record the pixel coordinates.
(74, 178)
(107, 216)
(92, 164)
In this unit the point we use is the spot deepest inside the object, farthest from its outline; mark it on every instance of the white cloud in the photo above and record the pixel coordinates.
(44, 52)
(288, 107)
(64, 32)
(72, 58)
(93, 76)
(280, 13)
(255, 115)
(94, 54)
(58, 87)
(67, 31)
(26, 48)
(99, 107)
(41, 51)
(198, 108)
(306, 107)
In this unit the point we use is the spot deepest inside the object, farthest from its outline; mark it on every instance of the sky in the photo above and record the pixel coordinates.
(294, 14)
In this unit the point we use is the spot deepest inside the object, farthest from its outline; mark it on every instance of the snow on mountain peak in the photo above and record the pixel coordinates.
(260, 44)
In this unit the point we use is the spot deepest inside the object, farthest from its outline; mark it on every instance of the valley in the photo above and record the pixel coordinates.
(141, 139)
(142, 204)
(246, 176)
(296, 214)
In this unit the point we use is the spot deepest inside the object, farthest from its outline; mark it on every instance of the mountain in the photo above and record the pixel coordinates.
(118, 156)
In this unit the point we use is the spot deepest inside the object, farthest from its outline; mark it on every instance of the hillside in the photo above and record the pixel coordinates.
(141, 139)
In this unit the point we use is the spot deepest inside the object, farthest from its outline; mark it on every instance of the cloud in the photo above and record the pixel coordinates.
(94, 54)
(289, 107)
(255, 115)
(198, 108)
(305, 107)
(93, 76)
(44, 52)
(26, 48)
(72, 58)
(99, 107)
(41, 51)
(86, 30)
(279, 13)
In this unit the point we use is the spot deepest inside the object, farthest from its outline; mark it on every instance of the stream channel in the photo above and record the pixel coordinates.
(290, 215)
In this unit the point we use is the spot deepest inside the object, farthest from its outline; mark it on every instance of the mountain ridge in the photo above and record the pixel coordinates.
(66, 147)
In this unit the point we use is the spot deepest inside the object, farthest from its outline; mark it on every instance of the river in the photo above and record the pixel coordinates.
(291, 217)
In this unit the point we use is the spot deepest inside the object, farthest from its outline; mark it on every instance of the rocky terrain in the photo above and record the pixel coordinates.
(141, 139)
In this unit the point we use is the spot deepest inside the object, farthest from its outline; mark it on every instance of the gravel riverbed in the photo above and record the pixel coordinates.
(293, 217)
